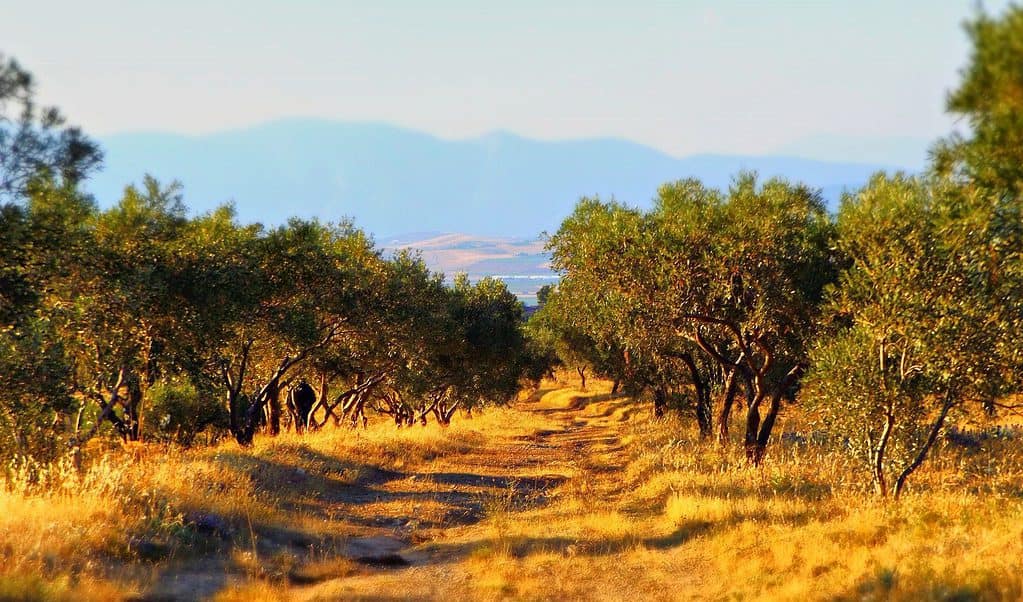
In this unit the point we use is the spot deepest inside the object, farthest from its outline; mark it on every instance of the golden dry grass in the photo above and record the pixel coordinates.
(568, 495)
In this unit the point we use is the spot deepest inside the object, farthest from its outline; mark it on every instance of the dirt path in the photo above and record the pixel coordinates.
(413, 533)
(462, 495)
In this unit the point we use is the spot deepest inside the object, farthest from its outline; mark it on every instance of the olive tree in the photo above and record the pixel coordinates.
(749, 271)
(597, 317)
(558, 329)
(706, 291)
(925, 319)
(488, 355)
(43, 157)
(988, 97)
(36, 140)
(307, 283)
(386, 365)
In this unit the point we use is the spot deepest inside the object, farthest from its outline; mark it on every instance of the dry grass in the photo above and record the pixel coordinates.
(574, 496)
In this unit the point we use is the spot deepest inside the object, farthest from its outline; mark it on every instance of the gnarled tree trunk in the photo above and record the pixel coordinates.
(731, 386)
(660, 401)
(704, 419)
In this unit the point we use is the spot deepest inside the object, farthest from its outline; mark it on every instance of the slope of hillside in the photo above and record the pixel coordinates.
(395, 180)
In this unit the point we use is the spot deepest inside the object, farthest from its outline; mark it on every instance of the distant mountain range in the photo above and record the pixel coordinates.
(907, 152)
(391, 179)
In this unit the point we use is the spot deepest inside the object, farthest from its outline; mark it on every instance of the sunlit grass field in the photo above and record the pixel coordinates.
(564, 495)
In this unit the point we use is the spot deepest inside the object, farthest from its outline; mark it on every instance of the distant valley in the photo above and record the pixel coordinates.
(521, 263)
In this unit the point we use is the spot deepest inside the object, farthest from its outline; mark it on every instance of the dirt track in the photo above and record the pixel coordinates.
(515, 472)
(408, 531)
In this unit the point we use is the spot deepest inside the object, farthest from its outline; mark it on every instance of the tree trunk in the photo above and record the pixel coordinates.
(764, 434)
(133, 411)
(106, 407)
(932, 436)
(245, 428)
(233, 409)
(753, 401)
(352, 398)
(448, 413)
(233, 383)
(660, 401)
(731, 386)
(432, 408)
(614, 386)
(704, 418)
(322, 398)
(878, 454)
(582, 377)
(752, 428)
(78, 419)
(360, 410)
(274, 414)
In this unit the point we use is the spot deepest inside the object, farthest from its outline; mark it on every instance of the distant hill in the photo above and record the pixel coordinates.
(391, 179)
(521, 263)
(476, 255)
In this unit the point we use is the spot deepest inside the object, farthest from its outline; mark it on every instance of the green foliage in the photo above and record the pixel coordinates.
(990, 96)
(177, 412)
(704, 284)
(593, 317)
(140, 319)
(34, 392)
(35, 140)
(544, 294)
(17, 293)
(36, 407)
(556, 333)
(119, 306)
(492, 355)
(926, 315)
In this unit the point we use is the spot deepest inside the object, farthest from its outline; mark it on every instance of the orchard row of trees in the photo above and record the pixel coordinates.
(140, 322)
(154, 324)
(886, 319)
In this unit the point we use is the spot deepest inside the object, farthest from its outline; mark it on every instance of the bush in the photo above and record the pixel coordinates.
(177, 412)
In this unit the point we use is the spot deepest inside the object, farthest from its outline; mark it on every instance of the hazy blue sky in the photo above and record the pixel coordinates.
(684, 76)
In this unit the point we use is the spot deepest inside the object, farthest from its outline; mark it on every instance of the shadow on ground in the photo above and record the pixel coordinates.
(521, 546)
(359, 512)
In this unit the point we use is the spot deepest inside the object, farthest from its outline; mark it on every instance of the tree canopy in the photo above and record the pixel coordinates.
(36, 139)
(989, 98)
